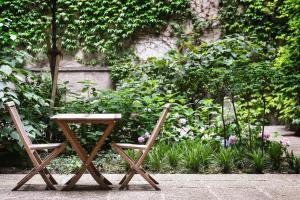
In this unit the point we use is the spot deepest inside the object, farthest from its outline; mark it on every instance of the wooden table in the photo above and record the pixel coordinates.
(107, 119)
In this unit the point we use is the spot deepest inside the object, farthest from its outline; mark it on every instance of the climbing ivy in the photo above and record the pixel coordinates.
(103, 26)
(259, 18)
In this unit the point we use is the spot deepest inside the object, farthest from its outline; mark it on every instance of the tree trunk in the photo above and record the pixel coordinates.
(55, 76)
(263, 122)
(224, 124)
(248, 121)
(236, 119)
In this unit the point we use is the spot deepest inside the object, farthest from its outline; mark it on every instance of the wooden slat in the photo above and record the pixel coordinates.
(131, 146)
(9, 104)
(44, 146)
(89, 117)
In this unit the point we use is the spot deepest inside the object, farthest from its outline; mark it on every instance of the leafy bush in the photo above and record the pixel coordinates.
(173, 157)
(225, 159)
(205, 154)
(258, 161)
(276, 154)
(155, 159)
(28, 91)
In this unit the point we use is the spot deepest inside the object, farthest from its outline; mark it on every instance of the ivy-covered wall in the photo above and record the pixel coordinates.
(93, 32)
(104, 27)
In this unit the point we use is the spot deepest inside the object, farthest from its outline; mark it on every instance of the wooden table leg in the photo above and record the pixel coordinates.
(87, 160)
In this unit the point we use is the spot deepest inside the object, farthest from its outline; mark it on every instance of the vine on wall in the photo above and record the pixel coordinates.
(259, 18)
(94, 26)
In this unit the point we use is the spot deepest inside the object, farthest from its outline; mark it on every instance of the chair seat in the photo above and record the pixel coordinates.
(131, 146)
(45, 146)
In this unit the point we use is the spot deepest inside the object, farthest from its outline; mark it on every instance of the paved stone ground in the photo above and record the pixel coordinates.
(174, 187)
(290, 135)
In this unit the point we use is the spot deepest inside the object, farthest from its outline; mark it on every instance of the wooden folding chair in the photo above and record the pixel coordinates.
(31, 149)
(136, 165)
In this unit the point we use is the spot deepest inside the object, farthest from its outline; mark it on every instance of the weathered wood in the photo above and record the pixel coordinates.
(45, 146)
(87, 117)
(131, 146)
(136, 165)
(62, 120)
(38, 163)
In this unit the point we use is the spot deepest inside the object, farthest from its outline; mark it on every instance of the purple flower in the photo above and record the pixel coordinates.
(285, 142)
(141, 139)
(232, 140)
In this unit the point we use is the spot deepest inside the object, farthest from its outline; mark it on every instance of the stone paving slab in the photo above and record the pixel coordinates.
(174, 187)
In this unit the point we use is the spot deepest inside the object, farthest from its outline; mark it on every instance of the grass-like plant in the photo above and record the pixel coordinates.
(155, 160)
(297, 165)
(290, 158)
(192, 160)
(156, 156)
(275, 152)
(225, 159)
(257, 161)
(173, 157)
(205, 153)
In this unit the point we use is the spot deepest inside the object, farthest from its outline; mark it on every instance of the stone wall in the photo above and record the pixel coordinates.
(72, 71)
(157, 46)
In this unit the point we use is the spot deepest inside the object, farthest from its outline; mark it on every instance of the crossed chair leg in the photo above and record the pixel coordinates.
(136, 168)
(40, 167)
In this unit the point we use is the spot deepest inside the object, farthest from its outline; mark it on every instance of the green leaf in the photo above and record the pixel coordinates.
(15, 135)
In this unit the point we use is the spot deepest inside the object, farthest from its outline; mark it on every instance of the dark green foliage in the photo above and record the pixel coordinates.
(261, 19)
(288, 63)
(275, 153)
(297, 165)
(192, 160)
(258, 161)
(278, 23)
(28, 91)
(205, 154)
(173, 156)
(225, 159)
(155, 158)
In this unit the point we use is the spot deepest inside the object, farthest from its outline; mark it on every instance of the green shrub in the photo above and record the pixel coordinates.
(173, 156)
(257, 161)
(297, 165)
(155, 160)
(205, 154)
(225, 159)
(192, 160)
(275, 153)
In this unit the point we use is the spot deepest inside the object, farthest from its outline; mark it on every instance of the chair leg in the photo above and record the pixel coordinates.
(123, 179)
(127, 180)
(106, 181)
(47, 180)
(51, 178)
(148, 179)
(150, 176)
(45, 170)
(40, 167)
(29, 176)
(24, 179)
(135, 167)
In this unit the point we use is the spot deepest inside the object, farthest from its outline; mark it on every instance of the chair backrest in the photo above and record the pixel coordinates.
(18, 124)
(158, 125)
